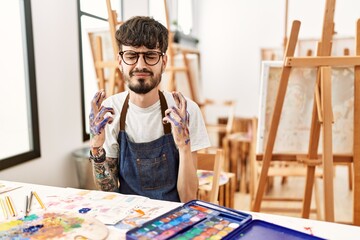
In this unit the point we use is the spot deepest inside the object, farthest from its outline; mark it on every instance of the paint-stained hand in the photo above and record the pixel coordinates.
(98, 120)
(178, 117)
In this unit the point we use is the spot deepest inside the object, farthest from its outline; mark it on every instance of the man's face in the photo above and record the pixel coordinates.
(142, 76)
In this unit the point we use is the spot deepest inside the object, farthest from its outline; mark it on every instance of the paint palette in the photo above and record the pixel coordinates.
(201, 220)
(53, 225)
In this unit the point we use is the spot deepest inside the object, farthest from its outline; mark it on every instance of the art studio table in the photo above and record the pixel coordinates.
(107, 208)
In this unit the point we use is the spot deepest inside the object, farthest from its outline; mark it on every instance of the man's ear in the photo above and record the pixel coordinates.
(165, 58)
(119, 62)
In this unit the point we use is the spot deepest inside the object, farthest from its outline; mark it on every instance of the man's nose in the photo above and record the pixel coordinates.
(141, 61)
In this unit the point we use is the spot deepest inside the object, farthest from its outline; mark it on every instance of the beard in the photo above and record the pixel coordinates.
(141, 85)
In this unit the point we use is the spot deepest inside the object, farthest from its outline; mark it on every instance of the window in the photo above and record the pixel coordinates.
(19, 118)
(185, 19)
(180, 14)
(92, 18)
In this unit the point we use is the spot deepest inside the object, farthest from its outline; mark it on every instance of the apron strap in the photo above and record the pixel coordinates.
(163, 104)
(164, 107)
(123, 113)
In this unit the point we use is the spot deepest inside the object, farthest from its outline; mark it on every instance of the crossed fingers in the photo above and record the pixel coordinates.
(97, 115)
(178, 117)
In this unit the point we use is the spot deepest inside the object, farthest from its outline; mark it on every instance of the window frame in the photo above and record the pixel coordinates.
(29, 66)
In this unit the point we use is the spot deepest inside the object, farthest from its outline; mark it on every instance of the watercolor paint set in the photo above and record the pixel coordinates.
(202, 220)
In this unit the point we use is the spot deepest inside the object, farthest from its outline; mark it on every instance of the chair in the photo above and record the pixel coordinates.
(210, 161)
(236, 145)
(210, 107)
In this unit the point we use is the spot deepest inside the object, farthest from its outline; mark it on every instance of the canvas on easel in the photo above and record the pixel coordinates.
(341, 46)
(295, 121)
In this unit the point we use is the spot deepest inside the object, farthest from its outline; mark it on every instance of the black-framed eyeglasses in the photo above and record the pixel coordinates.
(151, 58)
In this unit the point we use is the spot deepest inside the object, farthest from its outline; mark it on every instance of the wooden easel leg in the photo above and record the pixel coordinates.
(350, 176)
(112, 82)
(327, 145)
(253, 163)
(98, 56)
(356, 151)
(317, 201)
(171, 84)
(189, 77)
(276, 117)
(310, 177)
(313, 148)
(119, 81)
(225, 146)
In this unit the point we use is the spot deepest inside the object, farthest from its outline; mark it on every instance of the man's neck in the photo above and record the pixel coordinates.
(144, 100)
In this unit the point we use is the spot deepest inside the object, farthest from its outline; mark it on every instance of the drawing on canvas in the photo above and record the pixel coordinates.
(295, 121)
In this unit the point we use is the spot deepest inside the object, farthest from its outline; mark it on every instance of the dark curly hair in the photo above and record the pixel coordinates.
(142, 31)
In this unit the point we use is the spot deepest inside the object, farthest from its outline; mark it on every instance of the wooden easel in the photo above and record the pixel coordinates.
(322, 116)
(114, 82)
(115, 78)
(174, 49)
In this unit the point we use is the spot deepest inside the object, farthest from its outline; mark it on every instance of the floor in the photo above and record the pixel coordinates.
(295, 188)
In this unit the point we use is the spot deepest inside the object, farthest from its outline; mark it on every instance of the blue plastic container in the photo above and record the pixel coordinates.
(201, 220)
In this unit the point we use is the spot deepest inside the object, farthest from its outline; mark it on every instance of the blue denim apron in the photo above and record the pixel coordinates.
(148, 169)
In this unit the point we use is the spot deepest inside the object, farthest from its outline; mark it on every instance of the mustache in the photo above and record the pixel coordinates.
(141, 71)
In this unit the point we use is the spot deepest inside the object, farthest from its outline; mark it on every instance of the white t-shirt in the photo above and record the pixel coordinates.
(145, 124)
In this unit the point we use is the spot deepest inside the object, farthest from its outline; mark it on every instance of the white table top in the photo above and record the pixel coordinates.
(322, 229)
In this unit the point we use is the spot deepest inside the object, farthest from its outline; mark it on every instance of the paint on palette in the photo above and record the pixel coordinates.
(200, 220)
(192, 222)
(53, 225)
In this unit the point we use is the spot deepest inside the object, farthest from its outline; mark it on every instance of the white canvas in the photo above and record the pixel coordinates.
(295, 121)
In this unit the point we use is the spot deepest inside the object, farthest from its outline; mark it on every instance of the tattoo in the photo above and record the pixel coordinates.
(106, 174)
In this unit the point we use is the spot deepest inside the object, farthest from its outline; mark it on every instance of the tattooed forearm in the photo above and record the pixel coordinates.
(106, 174)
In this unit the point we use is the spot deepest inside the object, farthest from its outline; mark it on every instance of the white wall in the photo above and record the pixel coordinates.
(135, 8)
(230, 35)
(58, 91)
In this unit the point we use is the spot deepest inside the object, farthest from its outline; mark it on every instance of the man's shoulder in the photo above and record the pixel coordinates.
(170, 100)
(116, 99)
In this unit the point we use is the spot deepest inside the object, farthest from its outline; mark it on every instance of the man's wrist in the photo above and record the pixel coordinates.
(97, 154)
(184, 148)
(96, 150)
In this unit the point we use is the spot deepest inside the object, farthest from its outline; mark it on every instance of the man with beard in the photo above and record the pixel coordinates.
(144, 141)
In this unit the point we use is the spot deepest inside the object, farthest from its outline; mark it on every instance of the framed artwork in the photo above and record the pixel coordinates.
(295, 121)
